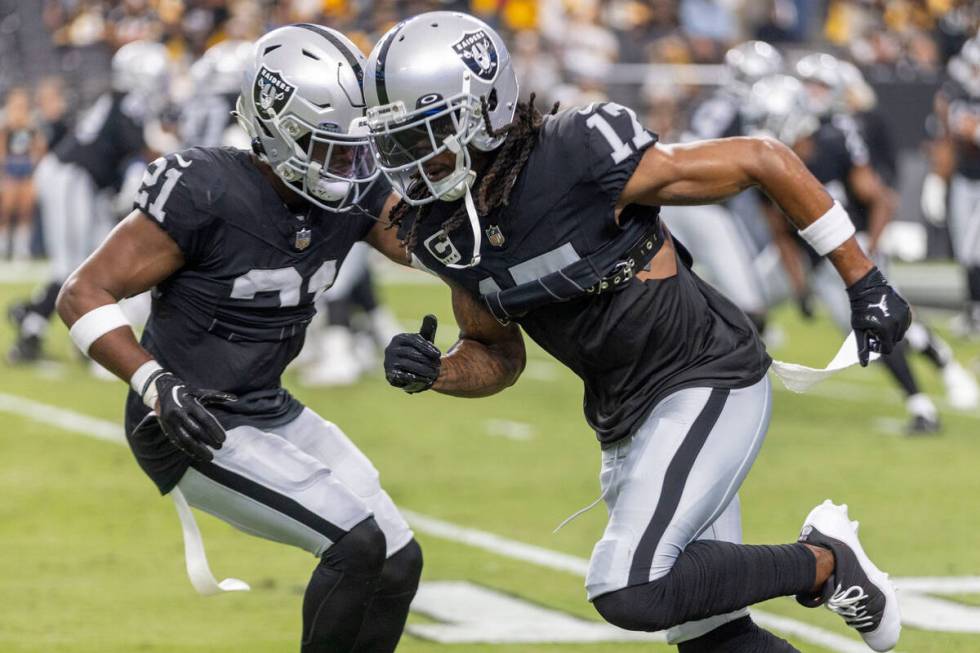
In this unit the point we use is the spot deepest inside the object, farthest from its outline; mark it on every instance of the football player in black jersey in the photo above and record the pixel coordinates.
(206, 118)
(549, 224)
(713, 232)
(237, 246)
(836, 152)
(74, 180)
(953, 186)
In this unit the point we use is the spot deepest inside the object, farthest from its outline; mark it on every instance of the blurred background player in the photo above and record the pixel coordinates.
(833, 150)
(713, 233)
(351, 327)
(21, 147)
(75, 179)
(206, 119)
(953, 186)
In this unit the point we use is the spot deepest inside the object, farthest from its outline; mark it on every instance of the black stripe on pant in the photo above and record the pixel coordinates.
(673, 487)
(278, 502)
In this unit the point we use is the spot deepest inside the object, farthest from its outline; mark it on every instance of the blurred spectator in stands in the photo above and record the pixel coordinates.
(21, 146)
(784, 22)
(711, 27)
(638, 24)
(51, 110)
(537, 69)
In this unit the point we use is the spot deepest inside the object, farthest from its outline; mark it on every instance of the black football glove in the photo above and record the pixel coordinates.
(411, 360)
(185, 420)
(879, 315)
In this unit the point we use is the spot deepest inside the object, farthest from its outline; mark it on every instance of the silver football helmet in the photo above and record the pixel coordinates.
(964, 68)
(142, 69)
(302, 105)
(824, 82)
(435, 82)
(858, 94)
(219, 70)
(779, 109)
(751, 61)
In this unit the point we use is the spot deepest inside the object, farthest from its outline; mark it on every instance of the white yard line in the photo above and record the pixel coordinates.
(69, 420)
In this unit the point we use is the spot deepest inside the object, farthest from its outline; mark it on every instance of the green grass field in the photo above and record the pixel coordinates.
(91, 558)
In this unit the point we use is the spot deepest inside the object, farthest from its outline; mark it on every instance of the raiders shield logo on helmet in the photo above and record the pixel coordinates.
(271, 93)
(478, 53)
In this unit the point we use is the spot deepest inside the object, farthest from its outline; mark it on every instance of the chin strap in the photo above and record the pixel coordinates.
(474, 226)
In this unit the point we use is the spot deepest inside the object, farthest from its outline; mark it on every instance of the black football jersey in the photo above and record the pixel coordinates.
(108, 134)
(874, 130)
(837, 149)
(235, 314)
(962, 103)
(631, 347)
(717, 117)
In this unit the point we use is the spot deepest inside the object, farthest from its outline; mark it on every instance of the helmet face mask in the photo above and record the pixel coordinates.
(301, 104)
(405, 145)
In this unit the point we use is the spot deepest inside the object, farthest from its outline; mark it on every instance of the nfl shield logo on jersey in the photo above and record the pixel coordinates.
(495, 236)
(271, 93)
(478, 53)
(303, 238)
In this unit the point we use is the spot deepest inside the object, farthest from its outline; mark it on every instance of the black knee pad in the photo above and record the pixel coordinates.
(641, 607)
(403, 570)
(360, 552)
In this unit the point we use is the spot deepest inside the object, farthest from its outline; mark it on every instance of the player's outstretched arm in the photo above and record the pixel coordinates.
(487, 358)
(710, 171)
(136, 256)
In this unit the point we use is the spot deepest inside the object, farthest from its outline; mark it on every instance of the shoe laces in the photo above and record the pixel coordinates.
(851, 605)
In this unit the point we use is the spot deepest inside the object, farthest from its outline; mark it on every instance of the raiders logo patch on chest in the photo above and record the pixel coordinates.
(478, 53)
(442, 248)
(271, 93)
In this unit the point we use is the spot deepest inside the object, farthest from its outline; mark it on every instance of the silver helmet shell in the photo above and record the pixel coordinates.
(964, 68)
(142, 69)
(778, 108)
(428, 82)
(751, 61)
(301, 103)
(823, 78)
(219, 70)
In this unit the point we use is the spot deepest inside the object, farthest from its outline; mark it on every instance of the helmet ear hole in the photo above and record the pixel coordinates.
(257, 147)
(492, 100)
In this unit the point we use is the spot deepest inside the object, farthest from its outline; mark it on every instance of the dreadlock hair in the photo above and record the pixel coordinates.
(498, 180)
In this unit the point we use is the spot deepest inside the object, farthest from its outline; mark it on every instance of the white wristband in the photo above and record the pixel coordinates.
(830, 231)
(95, 324)
(141, 377)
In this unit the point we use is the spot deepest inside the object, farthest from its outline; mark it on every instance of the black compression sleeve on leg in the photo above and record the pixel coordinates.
(898, 364)
(739, 636)
(339, 312)
(340, 590)
(973, 283)
(711, 578)
(385, 618)
(43, 301)
(362, 294)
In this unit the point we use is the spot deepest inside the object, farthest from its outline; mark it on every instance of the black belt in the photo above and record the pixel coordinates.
(635, 260)
(606, 270)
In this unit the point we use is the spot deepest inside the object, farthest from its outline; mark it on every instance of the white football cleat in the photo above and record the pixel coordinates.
(337, 365)
(962, 392)
(857, 590)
